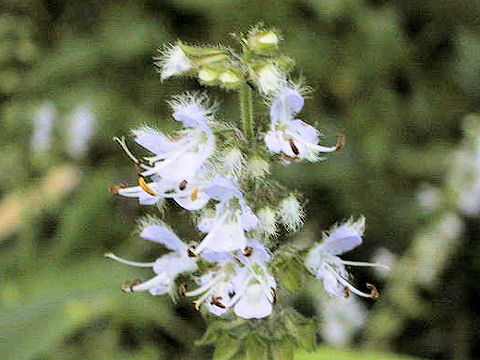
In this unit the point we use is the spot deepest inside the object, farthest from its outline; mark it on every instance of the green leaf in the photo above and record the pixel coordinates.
(256, 348)
(210, 337)
(290, 273)
(283, 350)
(308, 335)
(226, 347)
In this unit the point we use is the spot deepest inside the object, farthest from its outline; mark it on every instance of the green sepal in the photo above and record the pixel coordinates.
(301, 329)
(256, 348)
(308, 335)
(290, 272)
(200, 52)
(282, 350)
(226, 347)
(261, 42)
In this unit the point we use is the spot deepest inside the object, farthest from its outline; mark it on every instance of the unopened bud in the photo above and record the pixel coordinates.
(230, 80)
(267, 221)
(263, 42)
(257, 167)
(291, 213)
(269, 79)
(208, 76)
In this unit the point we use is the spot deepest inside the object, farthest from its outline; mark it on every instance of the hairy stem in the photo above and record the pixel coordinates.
(246, 112)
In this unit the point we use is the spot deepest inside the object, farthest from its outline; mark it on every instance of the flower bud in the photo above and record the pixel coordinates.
(233, 162)
(230, 80)
(267, 221)
(263, 42)
(208, 76)
(269, 79)
(291, 213)
(172, 62)
(257, 167)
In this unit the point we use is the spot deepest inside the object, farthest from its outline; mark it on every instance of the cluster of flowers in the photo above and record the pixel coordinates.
(214, 181)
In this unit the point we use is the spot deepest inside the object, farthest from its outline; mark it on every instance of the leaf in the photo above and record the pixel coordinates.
(209, 337)
(290, 273)
(256, 348)
(307, 336)
(226, 347)
(283, 350)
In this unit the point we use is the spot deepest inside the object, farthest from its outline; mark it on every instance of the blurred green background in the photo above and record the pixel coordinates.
(400, 78)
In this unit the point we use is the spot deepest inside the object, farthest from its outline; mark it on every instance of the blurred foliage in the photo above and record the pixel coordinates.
(397, 77)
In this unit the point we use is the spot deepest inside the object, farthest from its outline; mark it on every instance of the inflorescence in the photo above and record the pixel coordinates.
(220, 172)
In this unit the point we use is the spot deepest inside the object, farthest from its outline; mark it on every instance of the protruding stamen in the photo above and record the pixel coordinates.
(123, 145)
(183, 185)
(143, 184)
(114, 189)
(341, 141)
(351, 288)
(191, 251)
(346, 292)
(373, 290)
(128, 262)
(294, 147)
(358, 263)
(247, 251)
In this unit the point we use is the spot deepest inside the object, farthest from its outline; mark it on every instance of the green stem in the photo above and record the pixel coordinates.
(246, 112)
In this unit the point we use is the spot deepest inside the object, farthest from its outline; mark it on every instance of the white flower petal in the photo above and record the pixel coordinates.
(191, 115)
(332, 286)
(342, 239)
(174, 264)
(274, 141)
(163, 235)
(196, 204)
(254, 303)
(153, 140)
(286, 104)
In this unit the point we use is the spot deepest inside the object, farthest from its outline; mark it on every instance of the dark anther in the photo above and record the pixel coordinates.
(274, 294)
(248, 251)
(183, 185)
(373, 291)
(191, 251)
(294, 147)
(216, 300)
(346, 292)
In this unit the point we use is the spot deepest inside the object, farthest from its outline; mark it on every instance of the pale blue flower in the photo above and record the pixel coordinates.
(323, 261)
(292, 137)
(167, 267)
(226, 230)
(249, 290)
(255, 293)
